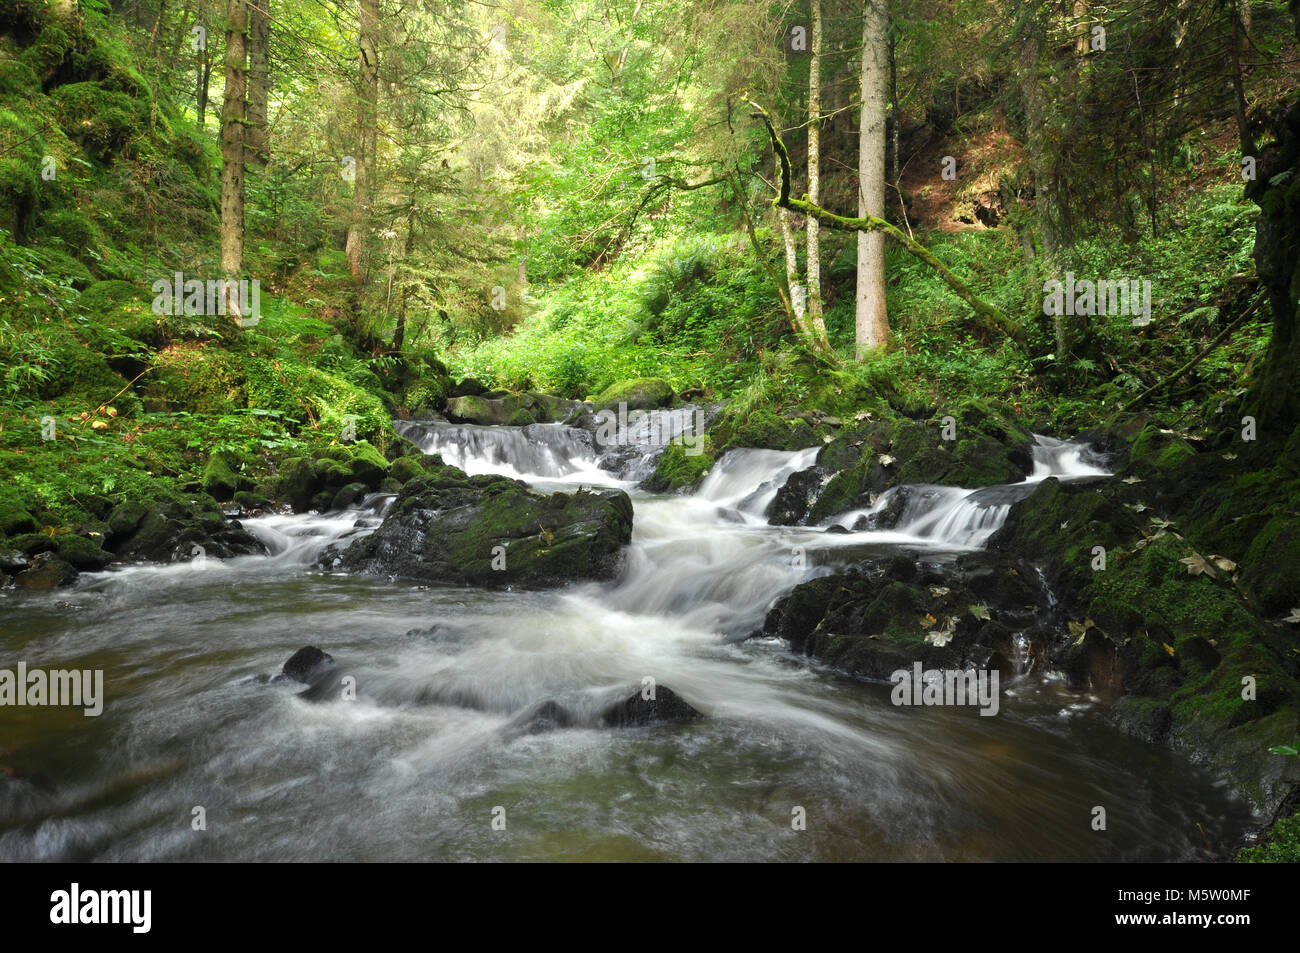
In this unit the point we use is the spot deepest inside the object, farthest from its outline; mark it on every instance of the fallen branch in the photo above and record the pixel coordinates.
(990, 318)
(1218, 339)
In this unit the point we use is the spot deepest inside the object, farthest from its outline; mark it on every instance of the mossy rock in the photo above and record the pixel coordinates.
(197, 378)
(222, 476)
(642, 393)
(81, 552)
(680, 467)
(1271, 568)
(103, 121)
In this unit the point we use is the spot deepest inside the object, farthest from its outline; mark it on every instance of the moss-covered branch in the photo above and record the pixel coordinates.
(990, 317)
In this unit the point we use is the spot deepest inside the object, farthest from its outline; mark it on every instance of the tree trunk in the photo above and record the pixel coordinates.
(367, 134)
(1045, 210)
(259, 79)
(203, 71)
(792, 270)
(232, 148)
(399, 333)
(872, 324)
(816, 321)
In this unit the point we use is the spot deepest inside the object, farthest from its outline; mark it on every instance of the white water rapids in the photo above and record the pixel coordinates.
(412, 769)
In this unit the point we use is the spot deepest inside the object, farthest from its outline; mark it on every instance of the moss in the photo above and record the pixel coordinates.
(521, 418)
(103, 121)
(681, 468)
(1271, 568)
(222, 476)
(198, 378)
(316, 399)
(1280, 846)
(643, 393)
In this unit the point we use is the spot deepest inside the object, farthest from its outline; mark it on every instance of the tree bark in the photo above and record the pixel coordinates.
(203, 77)
(233, 118)
(797, 300)
(259, 79)
(367, 134)
(1045, 200)
(872, 322)
(816, 320)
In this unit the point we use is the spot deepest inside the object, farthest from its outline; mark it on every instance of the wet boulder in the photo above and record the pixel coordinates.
(490, 530)
(46, 571)
(307, 665)
(795, 499)
(664, 707)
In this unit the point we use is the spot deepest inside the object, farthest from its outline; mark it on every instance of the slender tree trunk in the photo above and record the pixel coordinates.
(259, 79)
(233, 117)
(816, 320)
(872, 324)
(1045, 210)
(203, 71)
(367, 134)
(792, 270)
(399, 333)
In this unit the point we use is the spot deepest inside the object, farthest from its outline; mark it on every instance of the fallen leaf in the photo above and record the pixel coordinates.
(1196, 565)
(886, 460)
(980, 612)
(1224, 563)
(1131, 479)
(1293, 617)
(938, 591)
(1168, 648)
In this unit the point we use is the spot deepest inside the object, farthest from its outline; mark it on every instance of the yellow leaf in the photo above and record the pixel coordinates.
(1168, 648)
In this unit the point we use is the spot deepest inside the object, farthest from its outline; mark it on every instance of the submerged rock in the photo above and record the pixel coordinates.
(490, 530)
(539, 719)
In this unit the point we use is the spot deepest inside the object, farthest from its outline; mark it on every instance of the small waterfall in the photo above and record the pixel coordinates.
(297, 539)
(748, 480)
(1065, 460)
(612, 449)
(545, 451)
(963, 518)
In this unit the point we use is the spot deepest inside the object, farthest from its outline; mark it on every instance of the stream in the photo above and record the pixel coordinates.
(414, 768)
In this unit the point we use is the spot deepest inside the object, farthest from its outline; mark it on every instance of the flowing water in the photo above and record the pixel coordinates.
(417, 766)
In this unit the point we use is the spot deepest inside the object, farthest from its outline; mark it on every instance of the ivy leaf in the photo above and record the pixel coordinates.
(1196, 565)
